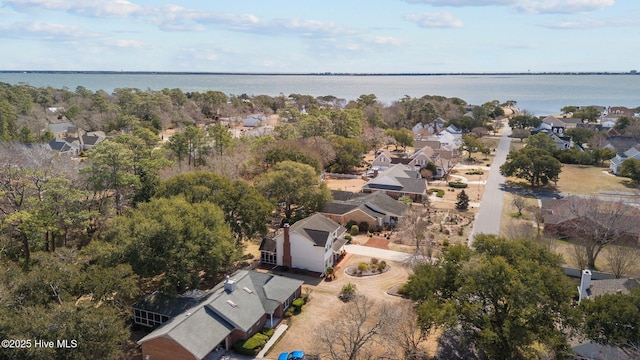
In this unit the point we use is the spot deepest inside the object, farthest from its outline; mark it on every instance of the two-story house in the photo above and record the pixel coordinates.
(313, 243)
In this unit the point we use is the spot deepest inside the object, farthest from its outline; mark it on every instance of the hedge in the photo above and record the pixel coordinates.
(252, 345)
(457, 184)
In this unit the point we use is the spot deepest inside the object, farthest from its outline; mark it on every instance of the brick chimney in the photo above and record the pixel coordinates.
(286, 247)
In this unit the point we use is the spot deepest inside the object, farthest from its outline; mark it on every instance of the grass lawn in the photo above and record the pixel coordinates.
(590, 180)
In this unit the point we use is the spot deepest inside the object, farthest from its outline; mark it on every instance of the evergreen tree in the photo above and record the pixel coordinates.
(463, 201)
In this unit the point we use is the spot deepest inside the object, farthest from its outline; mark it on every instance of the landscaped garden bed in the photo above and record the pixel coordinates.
(373, 267)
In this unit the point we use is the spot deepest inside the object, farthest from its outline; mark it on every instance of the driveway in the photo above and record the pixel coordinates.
(489, 213)
(381, 254)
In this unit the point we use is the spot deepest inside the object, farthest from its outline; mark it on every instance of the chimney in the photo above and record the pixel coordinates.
(229, 285)
(286, 247)
(585, 284)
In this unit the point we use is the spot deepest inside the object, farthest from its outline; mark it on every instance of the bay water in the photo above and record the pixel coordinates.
(540, 94)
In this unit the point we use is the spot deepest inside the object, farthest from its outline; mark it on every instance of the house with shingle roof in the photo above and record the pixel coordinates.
(377, 209)
(397, 181)
(65, 146)
(213, 321)
(616, 162)
(313, 244)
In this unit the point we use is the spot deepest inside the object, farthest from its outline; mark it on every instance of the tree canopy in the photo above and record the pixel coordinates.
(535, 165)
(294, 185)
(245, 210)
(506, 297)
(175, 239)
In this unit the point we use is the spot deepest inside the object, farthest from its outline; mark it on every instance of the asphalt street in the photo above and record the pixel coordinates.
(489, 214)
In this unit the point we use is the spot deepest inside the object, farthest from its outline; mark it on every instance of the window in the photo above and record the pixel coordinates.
(147, 318)
(267, 257)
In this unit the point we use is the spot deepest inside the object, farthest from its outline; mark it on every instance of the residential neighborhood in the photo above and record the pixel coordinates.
(266, 226)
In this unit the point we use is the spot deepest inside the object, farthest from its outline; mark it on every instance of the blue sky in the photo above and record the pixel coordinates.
(355, 36)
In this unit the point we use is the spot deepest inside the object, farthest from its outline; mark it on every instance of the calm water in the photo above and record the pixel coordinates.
(539, 94)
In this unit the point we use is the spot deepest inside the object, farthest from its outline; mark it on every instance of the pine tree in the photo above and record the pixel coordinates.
(463, 201)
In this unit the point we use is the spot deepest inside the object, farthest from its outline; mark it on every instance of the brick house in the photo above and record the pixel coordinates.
(234, 310)
(377, 209)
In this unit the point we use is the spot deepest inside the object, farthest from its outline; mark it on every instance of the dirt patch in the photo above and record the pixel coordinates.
(377, 242)
(324, 304)
(353, 185)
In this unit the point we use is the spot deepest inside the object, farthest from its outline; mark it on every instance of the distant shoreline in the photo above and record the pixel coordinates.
(633, 72)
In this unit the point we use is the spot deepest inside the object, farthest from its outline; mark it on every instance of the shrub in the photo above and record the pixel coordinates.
(374, 260)
(364, 226)
(351, 223)
(445, 243)
(354, 230)
(439, 192)
(348, 237)
(298, 303)
(305, 296)
(363, 266)
(382, 265)
(347, 292)
(252, 345)
(457, 184)
(289, 312)
(475, 172)
(268, 332)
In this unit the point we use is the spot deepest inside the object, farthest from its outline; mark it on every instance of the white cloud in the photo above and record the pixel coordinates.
(384, 40)
(527, 6)
(45, 31)
(593, 23)
(105, 8)
(434, 20)
(562, 6)
(83, 7)
(125, 43)
(462, 3)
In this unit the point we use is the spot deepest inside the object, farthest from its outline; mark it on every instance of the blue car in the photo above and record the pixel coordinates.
(294, 355)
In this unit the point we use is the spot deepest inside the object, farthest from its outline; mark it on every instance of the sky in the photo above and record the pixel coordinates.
(310, 36)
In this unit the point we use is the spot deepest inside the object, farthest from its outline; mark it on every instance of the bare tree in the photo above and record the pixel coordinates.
(580, 256)
(538, 216)
(414, 227)
(621, 259)
(597, 223)
(357, 327)
(519, 202)
(404, 333)
(518, 230)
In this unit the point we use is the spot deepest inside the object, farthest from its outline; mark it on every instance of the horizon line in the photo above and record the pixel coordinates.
(123, 72)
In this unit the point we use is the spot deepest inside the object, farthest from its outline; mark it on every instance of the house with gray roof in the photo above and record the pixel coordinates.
(377, 210)
(616, 162)
(64, 146)
(397, 181)
(313, 244)
(91, 139)
(211, 322)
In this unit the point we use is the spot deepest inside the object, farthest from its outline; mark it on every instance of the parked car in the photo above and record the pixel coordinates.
(294, 355)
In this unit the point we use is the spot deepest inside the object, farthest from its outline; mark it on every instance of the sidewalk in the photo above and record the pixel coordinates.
(280, 330)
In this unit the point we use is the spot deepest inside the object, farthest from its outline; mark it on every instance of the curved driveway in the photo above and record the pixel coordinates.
(490, 211)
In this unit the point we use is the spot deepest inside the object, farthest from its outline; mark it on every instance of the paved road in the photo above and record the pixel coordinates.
(490, 211)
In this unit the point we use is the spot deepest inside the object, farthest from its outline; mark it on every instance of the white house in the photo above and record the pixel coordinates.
(447, 140)
(313, 243)
(382, 161)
